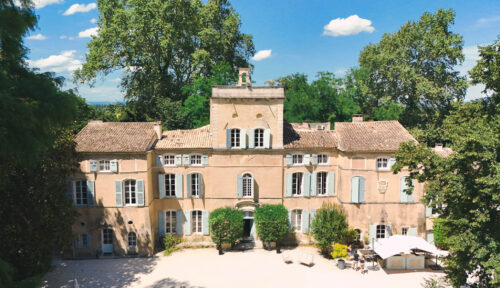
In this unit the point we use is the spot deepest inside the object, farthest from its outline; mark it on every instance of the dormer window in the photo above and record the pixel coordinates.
(382, 163)
(104, 166)
(195, 160)
(235, 138)
(322, 159)
(259, 138)
(169, 160)
(297, 159)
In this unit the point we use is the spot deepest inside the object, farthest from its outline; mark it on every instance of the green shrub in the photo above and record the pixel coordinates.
(7, 281)
(170, 242)
(271, 222)
(330, 225)
(339, 251)
(441, 231)
(226, 225)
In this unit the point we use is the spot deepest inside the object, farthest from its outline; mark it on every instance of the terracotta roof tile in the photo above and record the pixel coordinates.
(115, 137)
(181, 139)
(300, 136)
(371, 135)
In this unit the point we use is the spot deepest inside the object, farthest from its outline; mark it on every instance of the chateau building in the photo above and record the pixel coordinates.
(137, 182)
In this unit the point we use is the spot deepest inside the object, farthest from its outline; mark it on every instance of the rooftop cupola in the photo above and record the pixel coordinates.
(244, 77)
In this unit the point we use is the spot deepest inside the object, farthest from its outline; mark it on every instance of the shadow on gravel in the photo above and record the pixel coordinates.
(171, 283)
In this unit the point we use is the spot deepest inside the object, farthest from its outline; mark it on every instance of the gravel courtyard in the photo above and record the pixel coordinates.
(204, 268)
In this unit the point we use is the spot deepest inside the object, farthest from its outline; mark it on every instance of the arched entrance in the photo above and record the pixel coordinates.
(248, 209)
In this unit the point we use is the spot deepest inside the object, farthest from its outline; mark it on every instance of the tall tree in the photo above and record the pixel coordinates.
(161, 46)
(414, 67)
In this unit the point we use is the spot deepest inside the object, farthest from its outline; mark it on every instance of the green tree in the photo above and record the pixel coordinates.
(271, 222)
(226, 225)
(487, 69)
(161, 46)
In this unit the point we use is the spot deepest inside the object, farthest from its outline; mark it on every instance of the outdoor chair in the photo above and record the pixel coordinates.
(306, 259)
(287, 258)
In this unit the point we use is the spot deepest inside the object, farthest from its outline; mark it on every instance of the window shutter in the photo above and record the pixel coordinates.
(403, 186)
(355, 189)
(161, 185)
(204, 226)
(428, 211)
(388, 231)
(113, 165)
(90, 192)
(119, 195)
(93, 165)
(186, 159)
(140, 192)
(331, 183)
(312, 216)
(288, 186)
(178, 224)
(307, 184)
(267, 138)
(243, 139)
(251, 138)
(69, 190)
(239, 186)
(188, 186)
(314, 178)
(314, 160)
(200, 184)
(228, 138)
(289, 160)
(290, 220)
(361, 189)
(88, 240)
(410, 197)
(161, 223)
(178, 185)
(412, 231)
(178, 160)
(307, 160)
(78, 241)
(187, 222)
(159, 160)
(373, 233)
(392, 161)
(305, 221)
(204, 159)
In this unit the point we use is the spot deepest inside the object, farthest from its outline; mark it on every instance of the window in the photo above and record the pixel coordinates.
(104, 166)
(196, 221)
(380, 231)
(323, 159)
(296, 220)
(404, 231)
(297, 184)
(195, 184)
(235, 138)
(169, 160)
(382, 164)
(170, 185)
(247, 185)
(107, 236)
(321, 183)
(170, 222)
(259, 138)
(82, 241)
(132, 240)
(195, 159)
(81, 196)
(130, 195)
(297, 159)
(358, 237)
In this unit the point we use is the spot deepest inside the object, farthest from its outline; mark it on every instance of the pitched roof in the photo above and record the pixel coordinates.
(180, 139)
(371, 135)
(252, 92)
(98, 136)
(301, 136)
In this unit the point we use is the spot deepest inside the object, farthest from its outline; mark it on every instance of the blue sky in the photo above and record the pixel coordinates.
(302, 36)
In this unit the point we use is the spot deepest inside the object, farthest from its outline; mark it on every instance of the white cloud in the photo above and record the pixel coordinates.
(471, 55)
(80, 8)
(261, 55)
(348, 26)
(38, 36)
(88, 33)
(93, 20)
(42, 3)
(58, 63)
(481, 22)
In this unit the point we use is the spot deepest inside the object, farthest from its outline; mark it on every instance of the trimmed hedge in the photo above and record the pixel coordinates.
(226, 225)
(271, 222)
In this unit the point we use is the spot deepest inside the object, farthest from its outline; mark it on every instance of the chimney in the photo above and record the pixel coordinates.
(439, 147)
(357, 118)
(244, 77)
(95, 122)
(157, 127)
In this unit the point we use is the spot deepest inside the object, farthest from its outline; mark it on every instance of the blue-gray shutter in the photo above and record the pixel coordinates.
(289, 160)
(392, 161)
(204, 159)
(289, 220)
(373, 233)
(140, 192)
(228, 138)
(314, 179)
(288, 185)
(93, 165)
(410, 197)
(428, 211)
(312, 216)
(178, 185)
(314, 160)
(430, 237)
(187, 222)
(186, 159)
(267, 138)
(239, 186)
(90, 192)
(412, 231)
(113, 166)
(403, 186)
(307, 159)
(243, 139)
(119, 195)
(161, 223)
(88, 240)
(331, 183)
(355, 189)
(159, 160)
(188, 186)
(178, 224)
(361, 189)
(161, 185)
(388, 229)
(204, 219)
(307, 184)
(200, 185)
(251, 138)
(305, 221)
(69, 190)
(178, 160)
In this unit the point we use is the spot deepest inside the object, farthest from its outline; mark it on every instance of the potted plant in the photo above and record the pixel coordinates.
(340, 252)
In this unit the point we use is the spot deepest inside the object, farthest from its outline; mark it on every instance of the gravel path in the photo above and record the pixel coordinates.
(204, 268)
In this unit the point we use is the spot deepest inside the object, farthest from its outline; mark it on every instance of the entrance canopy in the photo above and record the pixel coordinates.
(398, 244)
